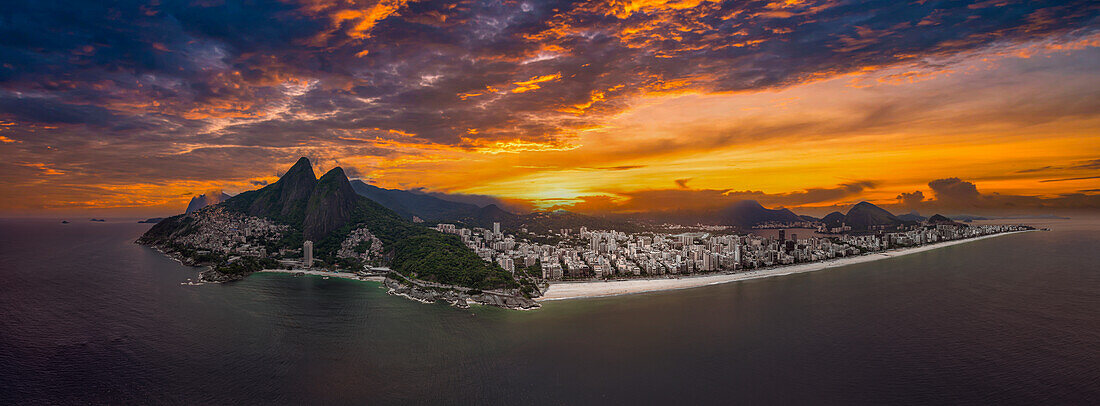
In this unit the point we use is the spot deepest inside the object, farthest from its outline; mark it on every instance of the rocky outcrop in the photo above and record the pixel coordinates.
(455, 296)
(213, 276)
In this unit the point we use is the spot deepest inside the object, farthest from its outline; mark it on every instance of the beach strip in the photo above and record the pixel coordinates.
(590, 289)
(341, 275)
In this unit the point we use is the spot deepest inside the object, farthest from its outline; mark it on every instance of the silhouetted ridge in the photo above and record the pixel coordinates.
(865, 215)
(409, 204)
(912, 216)
(834, 219)
(939, 219)
(748, 213)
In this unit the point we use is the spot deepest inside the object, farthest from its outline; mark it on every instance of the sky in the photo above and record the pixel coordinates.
(595, 106)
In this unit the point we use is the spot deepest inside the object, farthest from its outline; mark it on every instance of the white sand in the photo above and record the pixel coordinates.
(342, 275)
(577, 290)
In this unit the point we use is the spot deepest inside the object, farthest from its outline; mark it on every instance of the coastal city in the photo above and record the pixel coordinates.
(610, 254)
(584, 254)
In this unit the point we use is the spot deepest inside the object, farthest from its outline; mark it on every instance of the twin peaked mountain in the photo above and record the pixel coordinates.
(327, 211)
(317, 206)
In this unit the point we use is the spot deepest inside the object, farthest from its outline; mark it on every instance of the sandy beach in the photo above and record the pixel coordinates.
(342, 275)
(587, 289)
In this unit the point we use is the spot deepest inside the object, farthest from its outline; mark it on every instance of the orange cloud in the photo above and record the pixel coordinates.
(532, 84)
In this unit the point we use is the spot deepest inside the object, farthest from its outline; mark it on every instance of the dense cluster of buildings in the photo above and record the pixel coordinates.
(221, 231)
(588, 254)
(360, 244)
(598, 254)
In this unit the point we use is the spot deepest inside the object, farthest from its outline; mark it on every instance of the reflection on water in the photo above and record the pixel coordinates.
(88, 317)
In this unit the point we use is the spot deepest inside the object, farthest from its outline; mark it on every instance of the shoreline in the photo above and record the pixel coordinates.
(341, 275)
(594, 289)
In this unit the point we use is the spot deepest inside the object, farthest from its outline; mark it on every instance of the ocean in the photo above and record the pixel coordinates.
(87, 316)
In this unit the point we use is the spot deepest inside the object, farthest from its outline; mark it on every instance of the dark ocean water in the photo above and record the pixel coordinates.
(86, 316)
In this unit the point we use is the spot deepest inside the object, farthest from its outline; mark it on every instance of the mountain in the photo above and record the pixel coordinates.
(865, 215)
(486, 216)
(939, 219)
(808, 218)
(834, 219)
(330, 205)
(912, 216)
(435, 209)
(409, 204)
(283, 201)
(748, 213)
(327, 211)
(204, 200)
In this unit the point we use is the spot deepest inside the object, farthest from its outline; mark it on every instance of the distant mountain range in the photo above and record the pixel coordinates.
(912, 216)
(430, 208)
(748, 213)
(409, 204)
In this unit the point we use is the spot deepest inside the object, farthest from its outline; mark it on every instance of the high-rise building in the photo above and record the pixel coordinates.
(307, 254)
(507, 263)
(496, 228)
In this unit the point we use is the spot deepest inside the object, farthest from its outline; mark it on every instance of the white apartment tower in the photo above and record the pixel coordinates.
(307, 254)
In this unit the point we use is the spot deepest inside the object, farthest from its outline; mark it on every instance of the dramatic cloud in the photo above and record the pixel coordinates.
(910, 199)
(954, 190)
(699, 200)
(101, 103)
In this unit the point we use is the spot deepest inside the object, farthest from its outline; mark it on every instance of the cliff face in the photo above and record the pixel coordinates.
(330, 205)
